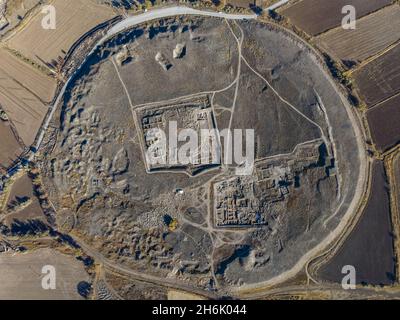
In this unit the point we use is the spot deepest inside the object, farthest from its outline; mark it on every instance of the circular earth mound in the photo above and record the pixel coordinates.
(201, 224)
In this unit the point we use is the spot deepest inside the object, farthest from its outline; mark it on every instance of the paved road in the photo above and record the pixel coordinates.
(331, 290)
(277, 5)
(172, 11)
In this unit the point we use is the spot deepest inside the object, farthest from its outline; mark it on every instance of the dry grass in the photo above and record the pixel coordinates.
(181, 295)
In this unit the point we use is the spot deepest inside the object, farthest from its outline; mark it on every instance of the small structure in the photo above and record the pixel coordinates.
(123, 56)
(3, 115)
(193, 113)
(236, 203)
(163, 61)
(179, 51)
(246, 201)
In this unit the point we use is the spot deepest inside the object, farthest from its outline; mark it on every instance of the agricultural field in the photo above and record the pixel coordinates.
(317, 16)
(374, 33)
(74, 19)
(38, 83)
(10, 148)
(379, 79)
(23, 108)
(21, 275)
(374, 231)
(24, 92)
(22, 204)
(395, 193)
(384, 120)
(396, 164)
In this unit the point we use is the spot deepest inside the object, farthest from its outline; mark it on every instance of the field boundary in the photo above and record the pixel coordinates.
(394, 203)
